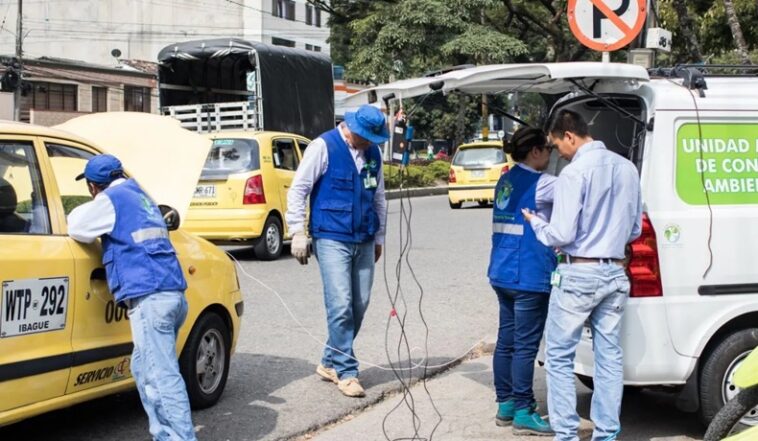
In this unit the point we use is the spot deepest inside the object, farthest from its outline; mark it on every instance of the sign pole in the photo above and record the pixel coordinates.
(606, 57)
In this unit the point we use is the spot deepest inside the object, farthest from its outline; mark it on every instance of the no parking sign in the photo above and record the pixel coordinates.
(606, 25)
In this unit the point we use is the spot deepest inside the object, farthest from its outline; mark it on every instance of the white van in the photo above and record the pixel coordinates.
(693, 312)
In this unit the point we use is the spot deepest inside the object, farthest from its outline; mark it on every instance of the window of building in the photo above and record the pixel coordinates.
(99, 99)
(289, 10)
(308, 14)
(318, 17)
(316, 48)
(283, 9)
(282, 42)
(51, 96)
(136, 99)
(308, 47)
(277, 8)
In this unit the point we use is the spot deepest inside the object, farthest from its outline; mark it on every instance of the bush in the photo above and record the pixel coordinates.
(440, 169)
(412, 176)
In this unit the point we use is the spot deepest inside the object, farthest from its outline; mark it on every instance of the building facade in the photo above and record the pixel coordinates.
(56, 90)
(103, 31)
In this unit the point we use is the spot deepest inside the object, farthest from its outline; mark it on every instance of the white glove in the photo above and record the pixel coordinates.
(299, 248)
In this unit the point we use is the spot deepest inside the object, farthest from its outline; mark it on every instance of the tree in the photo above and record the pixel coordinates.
(734, 25)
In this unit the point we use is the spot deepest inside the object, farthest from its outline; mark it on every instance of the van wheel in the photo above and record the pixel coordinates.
(204, 362)
(454, 206)
(716, 386)
(484, 203)
(269, 245)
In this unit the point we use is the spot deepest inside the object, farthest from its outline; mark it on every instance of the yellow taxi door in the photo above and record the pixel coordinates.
(36, 269)
(101, 339)
(286, 158)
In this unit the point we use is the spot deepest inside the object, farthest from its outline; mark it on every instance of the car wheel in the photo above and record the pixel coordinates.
(484, 203)
(455, 205)
(716, 377)
(269, 245)
(204, 362)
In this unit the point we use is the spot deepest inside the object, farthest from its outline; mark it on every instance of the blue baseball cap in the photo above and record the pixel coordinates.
(368, 123)
(102, 169)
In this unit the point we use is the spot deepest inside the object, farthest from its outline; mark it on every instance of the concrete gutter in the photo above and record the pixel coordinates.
(415, 192)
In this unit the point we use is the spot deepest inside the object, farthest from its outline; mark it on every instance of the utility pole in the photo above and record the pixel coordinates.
(19, 55)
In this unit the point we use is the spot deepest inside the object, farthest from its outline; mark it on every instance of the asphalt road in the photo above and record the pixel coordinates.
(272, 392)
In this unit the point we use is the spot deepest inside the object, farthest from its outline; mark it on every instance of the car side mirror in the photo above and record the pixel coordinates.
(171, 217)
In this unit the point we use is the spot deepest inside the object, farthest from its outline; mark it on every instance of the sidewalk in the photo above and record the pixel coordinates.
(465, 398)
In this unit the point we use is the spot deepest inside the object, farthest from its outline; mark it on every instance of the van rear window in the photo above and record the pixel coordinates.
(479, 157)
(229, 156)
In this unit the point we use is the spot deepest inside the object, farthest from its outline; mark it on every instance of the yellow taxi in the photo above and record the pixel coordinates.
(474, 172)
(62, 339)
(242, 193)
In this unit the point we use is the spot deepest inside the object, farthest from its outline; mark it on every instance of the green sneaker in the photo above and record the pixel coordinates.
(528, 422)
(505, 411)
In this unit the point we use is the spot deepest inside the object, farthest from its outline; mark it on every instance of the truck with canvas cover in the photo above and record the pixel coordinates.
(232, 84)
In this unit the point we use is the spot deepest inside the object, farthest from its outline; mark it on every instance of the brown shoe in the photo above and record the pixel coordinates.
(327, 374)
(351, 387)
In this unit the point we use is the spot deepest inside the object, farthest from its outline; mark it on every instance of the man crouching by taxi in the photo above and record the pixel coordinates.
(144, 274)
(341, 171)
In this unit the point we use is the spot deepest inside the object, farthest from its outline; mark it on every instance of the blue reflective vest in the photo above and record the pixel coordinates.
(138, 256)
(342, 201)
(518, 260)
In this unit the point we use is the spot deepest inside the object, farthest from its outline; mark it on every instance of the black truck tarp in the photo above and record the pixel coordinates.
(296, 86)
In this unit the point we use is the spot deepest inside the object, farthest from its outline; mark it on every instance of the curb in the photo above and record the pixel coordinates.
(415, 192)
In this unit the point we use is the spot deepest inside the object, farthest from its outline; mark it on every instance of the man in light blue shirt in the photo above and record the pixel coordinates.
(597, 211)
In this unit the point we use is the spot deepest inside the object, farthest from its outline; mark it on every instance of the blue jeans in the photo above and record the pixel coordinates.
(347, 271)
(598, 292)
(155, 320)
(522, 320)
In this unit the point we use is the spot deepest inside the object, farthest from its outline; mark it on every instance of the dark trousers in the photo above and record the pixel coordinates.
(522, 320)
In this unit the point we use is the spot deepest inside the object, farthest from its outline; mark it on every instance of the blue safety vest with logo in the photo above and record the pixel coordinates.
(138, 256)
(518, 260)
(342, 201)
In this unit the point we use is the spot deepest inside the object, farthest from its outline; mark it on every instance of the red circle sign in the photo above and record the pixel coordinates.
(606, 25)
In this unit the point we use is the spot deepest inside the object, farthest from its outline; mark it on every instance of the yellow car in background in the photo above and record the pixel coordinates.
(242, 193)
(474, 172)
(63, 340)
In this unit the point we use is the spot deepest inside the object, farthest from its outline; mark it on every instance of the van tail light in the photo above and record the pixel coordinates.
(254, 191)
(644, 267)
(505, 169)
(451, 178)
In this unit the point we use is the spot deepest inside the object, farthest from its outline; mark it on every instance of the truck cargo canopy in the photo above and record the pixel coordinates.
(292, 89)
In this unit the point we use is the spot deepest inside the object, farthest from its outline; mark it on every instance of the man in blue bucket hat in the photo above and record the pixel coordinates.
(143, 274)
(341, 172)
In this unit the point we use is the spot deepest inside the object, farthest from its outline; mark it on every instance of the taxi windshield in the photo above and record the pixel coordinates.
(479, 157)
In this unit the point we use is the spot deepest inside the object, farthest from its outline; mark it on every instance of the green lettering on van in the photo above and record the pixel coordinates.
(720, 159)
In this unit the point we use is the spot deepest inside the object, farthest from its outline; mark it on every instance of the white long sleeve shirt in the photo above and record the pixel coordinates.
(92, 219)
(313, 166)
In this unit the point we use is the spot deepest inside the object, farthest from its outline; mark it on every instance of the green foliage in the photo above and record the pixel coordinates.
(69, 203)
(439, 169)
(409, 37)
(412, 176)
(712, 29)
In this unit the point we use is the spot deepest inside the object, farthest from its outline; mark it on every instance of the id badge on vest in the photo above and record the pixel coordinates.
(370, 181)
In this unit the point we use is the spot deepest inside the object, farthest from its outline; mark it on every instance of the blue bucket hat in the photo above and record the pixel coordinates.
(102, 169)
(368, 123)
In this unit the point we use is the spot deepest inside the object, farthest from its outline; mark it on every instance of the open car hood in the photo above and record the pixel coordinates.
(164, 158)
(549, 78)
